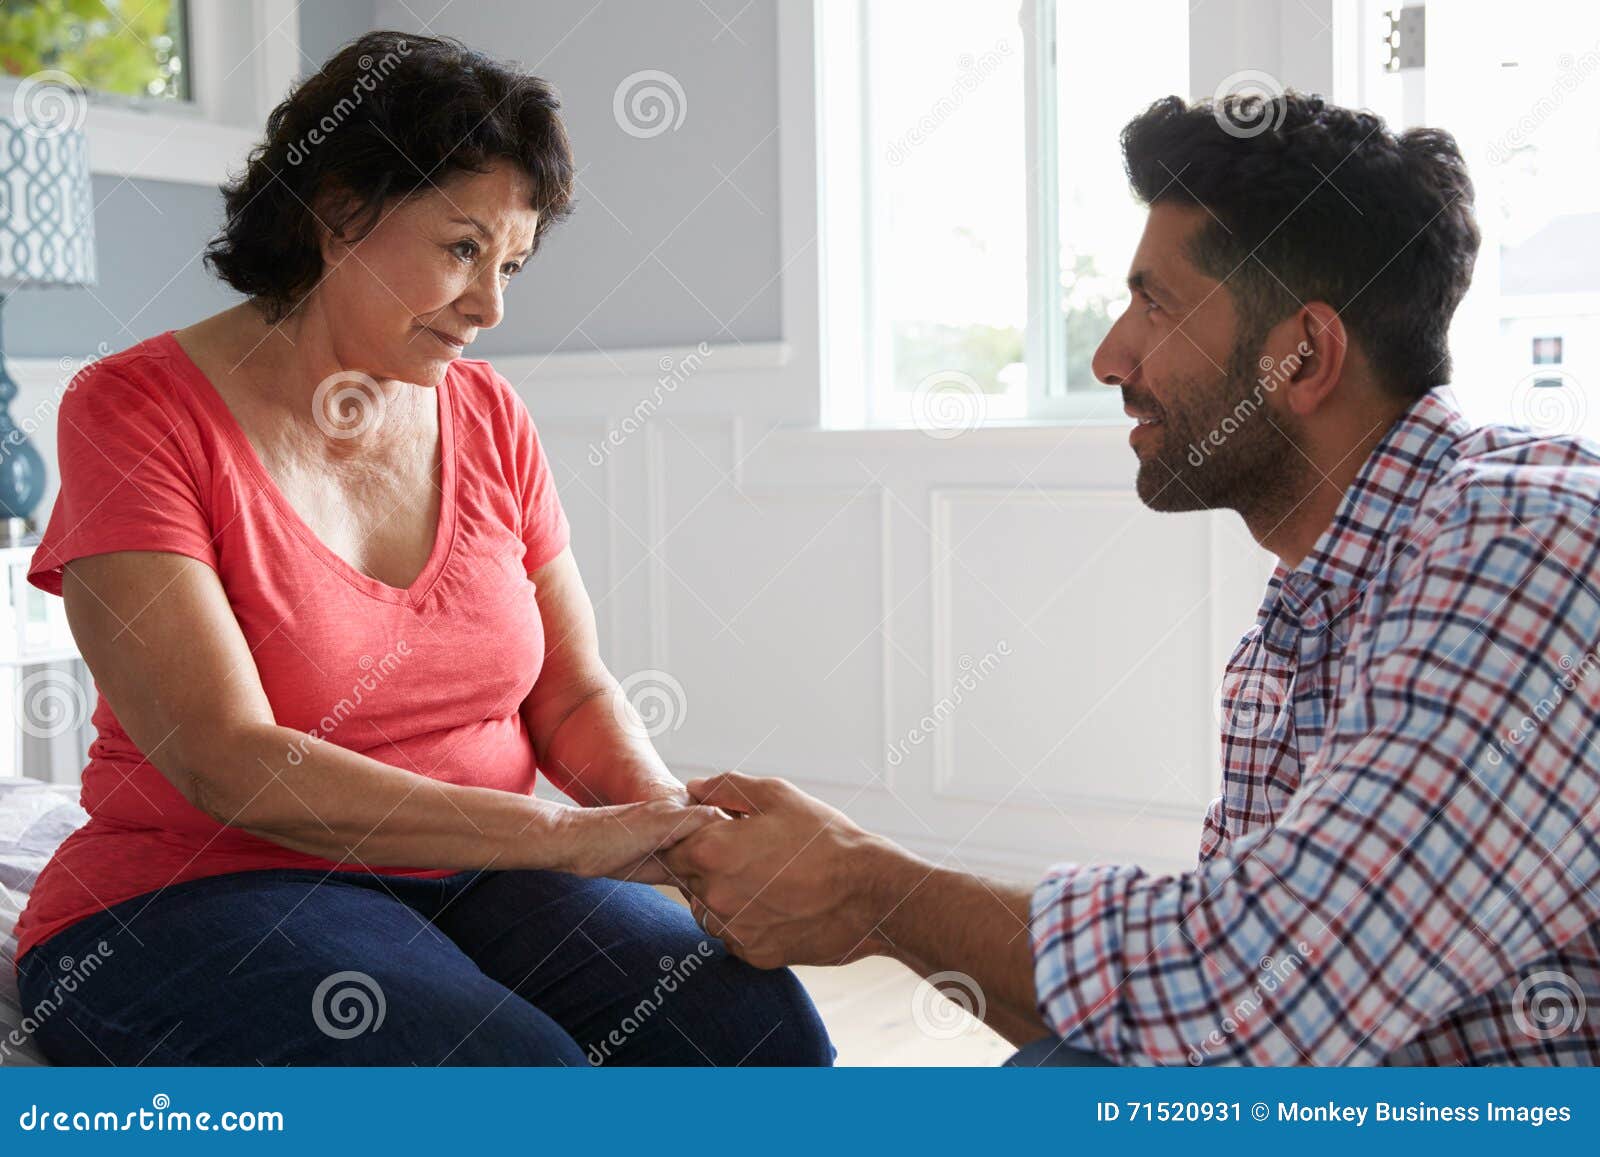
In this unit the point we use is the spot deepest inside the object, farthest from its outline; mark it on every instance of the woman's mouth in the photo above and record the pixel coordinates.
(450, 343)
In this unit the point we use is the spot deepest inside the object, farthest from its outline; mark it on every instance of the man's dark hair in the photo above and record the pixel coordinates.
(389, 115)
(1307, 201)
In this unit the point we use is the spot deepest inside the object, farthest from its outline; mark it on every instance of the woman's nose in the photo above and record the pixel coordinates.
(485, 305)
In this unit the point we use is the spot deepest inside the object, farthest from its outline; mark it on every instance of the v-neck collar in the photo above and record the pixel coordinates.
(444, 533)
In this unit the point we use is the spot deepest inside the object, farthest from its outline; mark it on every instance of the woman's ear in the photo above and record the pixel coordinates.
(1308, 351)
(331, 211)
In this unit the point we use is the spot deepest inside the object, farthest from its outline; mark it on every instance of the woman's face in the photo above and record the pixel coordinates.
(406, 299)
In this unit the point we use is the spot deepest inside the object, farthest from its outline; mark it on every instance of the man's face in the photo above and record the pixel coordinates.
(1212, 435)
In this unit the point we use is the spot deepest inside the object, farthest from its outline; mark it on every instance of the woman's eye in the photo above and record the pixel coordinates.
(466, 250)
(511, 269)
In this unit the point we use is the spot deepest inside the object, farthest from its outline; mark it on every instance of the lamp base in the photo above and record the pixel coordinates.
(18, 532)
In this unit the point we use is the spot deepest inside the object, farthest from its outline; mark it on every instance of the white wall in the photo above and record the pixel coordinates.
(814, 592)
(817, 593)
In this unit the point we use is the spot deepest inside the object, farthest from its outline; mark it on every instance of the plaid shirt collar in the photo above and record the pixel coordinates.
(1378, 504)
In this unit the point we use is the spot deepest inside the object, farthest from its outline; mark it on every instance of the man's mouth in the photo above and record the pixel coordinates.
(1143, 425)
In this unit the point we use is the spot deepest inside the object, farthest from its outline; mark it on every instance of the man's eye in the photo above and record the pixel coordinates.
(1149, 302)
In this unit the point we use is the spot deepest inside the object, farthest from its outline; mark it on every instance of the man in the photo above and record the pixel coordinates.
(1404, 863)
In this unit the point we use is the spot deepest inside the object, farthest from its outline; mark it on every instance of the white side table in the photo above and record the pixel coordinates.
(49, 696)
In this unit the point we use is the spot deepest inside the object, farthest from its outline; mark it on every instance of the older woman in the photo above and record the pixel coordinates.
(316, 562)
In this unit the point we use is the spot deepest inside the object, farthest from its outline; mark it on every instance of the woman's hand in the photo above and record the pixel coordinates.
(622, 840)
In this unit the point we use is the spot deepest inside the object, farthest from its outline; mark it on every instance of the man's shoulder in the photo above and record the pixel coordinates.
(1502, 477)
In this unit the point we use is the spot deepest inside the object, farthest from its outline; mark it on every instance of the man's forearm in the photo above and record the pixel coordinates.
(936, 920)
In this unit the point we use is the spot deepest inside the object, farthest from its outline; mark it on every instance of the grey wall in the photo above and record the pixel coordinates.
(148, 240)
(662, 250)
(326, 25)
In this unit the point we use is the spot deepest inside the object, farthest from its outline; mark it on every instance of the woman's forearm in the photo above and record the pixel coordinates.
(341, 805)
(591, 756)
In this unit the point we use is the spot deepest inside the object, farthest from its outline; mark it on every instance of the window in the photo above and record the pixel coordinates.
(1520, 97)
(978, 224)
(167, 90)
(131, 49)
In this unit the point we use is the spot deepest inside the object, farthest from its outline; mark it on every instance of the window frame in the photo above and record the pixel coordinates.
(200, 140)
(852, 221)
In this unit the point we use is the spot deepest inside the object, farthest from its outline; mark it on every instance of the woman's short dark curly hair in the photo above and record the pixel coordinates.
(1307, 201)
(389, 115)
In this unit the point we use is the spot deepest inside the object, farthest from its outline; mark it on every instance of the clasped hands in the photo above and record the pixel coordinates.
(785, 880)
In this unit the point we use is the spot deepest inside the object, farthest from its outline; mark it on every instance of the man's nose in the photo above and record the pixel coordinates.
(1114, 361)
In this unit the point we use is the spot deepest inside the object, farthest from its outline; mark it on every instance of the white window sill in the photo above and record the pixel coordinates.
(165, 146)
(990, 435)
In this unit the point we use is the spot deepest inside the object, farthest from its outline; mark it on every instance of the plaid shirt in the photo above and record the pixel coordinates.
(1404, 864)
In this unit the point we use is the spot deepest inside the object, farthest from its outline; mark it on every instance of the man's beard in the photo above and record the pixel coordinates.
(1221, 447)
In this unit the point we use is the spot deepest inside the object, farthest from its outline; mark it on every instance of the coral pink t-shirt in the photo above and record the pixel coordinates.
(429, 679)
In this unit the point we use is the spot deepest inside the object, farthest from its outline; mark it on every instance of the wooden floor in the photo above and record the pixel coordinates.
(877, 1015)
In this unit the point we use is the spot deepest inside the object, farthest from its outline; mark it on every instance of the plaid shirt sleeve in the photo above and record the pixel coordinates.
(1440, 839)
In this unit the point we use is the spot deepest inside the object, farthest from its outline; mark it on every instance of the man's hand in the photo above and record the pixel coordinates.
(792, 881)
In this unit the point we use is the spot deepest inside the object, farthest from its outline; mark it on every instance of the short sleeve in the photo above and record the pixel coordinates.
(545, 531)
(128, 478)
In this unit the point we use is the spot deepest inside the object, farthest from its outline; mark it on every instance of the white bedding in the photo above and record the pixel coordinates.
(34, 818)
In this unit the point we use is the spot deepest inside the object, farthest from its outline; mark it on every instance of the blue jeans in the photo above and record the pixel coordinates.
(298, 966)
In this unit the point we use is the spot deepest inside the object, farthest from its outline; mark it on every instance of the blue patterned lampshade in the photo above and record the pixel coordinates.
(46, 206)
(46, 239)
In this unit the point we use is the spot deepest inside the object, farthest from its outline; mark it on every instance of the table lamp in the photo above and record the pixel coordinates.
(46, 239)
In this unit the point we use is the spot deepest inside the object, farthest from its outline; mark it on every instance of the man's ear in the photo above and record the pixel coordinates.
(1305, 355)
